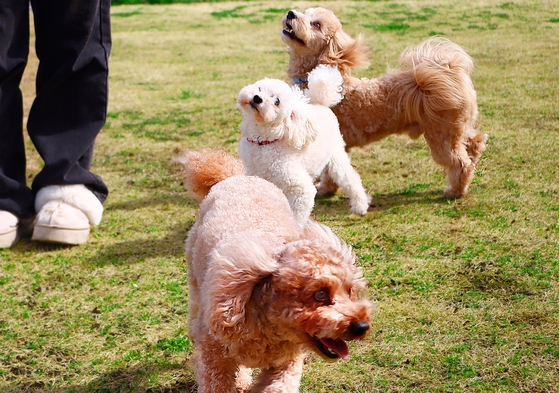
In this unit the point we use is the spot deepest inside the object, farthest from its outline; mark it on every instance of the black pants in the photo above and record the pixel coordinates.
(73, 41)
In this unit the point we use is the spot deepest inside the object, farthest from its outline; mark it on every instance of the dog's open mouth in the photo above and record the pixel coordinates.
(331, 348)
(288, 31)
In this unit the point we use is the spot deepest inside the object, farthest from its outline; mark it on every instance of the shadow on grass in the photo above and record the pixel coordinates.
(106, 245)
(179, 199)
(137, 250)
(126, 251)
(151, 246)
(118, 252)
(387, 201)
(134, 379)
(339, 204)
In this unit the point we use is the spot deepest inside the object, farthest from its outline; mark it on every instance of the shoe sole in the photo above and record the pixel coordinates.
(66, 236)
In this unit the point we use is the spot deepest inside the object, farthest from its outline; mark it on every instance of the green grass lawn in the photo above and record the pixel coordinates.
(466, 290)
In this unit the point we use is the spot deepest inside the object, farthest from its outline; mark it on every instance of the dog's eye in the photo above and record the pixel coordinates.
(316, 25)
(277, 102)
(352, 292)
(321, 296)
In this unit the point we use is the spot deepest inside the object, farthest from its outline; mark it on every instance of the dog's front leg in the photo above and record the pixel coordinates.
(214, 373)
(285, 379)
(343, 174)
(300, 195)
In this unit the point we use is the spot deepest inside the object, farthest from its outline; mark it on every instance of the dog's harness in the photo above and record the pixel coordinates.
(300, 80)
(261, 143)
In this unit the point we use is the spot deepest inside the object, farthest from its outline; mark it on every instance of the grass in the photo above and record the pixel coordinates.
(466, 290)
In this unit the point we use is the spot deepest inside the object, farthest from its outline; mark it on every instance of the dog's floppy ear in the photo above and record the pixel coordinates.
(300, 125)
(236, 269)
(347, 53)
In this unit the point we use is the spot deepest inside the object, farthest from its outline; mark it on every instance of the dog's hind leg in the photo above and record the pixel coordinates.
(193, 305)
(475, 143)
(449, 151)
(285, 379)
(343, 174)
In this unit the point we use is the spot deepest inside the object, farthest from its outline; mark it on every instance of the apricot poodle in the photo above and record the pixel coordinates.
(263, 292)
(289, 137)
(430, 93)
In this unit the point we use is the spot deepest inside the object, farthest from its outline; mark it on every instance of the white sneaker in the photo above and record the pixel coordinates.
(8, 229)
(66, 214)
(13, 229)
(58, 222)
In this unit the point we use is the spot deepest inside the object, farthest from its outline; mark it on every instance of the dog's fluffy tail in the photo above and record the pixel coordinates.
(325, 85)
(204, 169)
(435, 76)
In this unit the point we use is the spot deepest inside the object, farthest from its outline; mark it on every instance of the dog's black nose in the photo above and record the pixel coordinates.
(257, 99)
(291, 15)
(358, 328)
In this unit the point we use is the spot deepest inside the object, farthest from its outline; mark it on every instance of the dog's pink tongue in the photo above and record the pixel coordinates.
(338, 346)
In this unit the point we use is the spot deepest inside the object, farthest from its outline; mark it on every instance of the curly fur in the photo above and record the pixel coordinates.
(263, 291)
(430, 93)
(289, 137)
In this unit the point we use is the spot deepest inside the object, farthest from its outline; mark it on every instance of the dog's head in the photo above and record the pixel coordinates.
(317, 293)
(316, 37)
(309, 294)
(273, 110)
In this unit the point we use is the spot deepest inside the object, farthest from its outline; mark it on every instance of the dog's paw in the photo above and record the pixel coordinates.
(452, 193)
(360, 206)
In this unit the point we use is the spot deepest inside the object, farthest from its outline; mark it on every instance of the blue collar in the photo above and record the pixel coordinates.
(300, 80)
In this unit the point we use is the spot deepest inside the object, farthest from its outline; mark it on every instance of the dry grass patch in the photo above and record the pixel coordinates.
(467, 290)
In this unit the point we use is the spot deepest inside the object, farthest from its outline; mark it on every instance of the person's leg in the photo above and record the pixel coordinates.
(16, 199)
(73, 44)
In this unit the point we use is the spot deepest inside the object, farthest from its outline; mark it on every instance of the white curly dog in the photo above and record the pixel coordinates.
(290, 136)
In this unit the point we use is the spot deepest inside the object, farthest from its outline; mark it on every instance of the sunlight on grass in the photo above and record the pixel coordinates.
(466, 290)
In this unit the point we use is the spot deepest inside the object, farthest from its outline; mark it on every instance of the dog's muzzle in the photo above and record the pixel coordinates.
(288, 30)
(335, 348)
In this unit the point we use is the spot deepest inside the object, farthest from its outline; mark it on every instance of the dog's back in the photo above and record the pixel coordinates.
(219, 182)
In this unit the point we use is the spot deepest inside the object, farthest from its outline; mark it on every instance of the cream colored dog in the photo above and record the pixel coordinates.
(430, 93)
(263, 291)
(289, 137)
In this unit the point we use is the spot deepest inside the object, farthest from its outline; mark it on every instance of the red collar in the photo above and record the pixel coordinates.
(260, 143)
